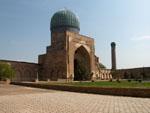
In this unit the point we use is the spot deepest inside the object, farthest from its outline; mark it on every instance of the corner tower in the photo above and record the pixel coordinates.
(69, 51)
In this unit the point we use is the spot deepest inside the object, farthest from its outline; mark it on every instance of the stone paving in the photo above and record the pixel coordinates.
(17, 99)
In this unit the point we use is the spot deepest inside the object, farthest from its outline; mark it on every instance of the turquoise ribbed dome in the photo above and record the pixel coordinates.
(64, 20)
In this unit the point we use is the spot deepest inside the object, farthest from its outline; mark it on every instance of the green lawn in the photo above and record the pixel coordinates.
(122, 84)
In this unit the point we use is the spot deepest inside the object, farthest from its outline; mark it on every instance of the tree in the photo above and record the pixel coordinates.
(102, 66)
(6, 71)
(80, 71)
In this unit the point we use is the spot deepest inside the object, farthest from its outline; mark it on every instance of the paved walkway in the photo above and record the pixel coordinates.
(17, 99)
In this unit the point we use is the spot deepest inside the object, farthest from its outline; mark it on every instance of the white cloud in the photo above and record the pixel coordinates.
(141, 38)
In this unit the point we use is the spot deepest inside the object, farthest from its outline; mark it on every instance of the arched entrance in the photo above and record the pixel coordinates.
(81, 64)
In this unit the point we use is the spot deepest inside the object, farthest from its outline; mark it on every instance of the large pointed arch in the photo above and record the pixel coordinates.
(81, 64)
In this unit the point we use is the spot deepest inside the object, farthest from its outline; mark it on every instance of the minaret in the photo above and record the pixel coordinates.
(113, 55)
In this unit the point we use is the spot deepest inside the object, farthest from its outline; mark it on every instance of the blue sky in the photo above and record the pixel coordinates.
(24, 28)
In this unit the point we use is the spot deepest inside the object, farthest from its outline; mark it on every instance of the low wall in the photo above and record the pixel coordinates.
(25, 71)
(133, 92)
(135, 73)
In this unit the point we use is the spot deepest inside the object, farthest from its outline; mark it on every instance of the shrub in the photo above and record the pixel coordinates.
(92, 81)
(140, 80)
(118, 80)
(6, 71)
(102, 66)
(110, 80)
(129, 80)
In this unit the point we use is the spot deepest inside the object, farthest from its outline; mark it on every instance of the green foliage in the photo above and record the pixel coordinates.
(102, 66)
(6, 71)
(113, 84)
(80, 71)
(129, 80)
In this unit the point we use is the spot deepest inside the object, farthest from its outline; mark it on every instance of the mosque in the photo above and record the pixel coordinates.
(71, 56)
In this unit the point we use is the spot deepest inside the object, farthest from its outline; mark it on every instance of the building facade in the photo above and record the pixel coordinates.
(71, 56)
(68, 51)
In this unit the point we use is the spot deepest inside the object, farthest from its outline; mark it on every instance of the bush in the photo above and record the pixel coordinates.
(140, 80)
(129, 80)
(92, 81)
(6, 71)
(102, 66)
(118, 80)
(110, 80)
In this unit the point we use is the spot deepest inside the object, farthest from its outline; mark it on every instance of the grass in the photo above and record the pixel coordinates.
(114, 84)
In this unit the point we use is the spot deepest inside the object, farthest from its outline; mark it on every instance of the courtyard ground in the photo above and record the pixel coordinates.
(18, 99)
